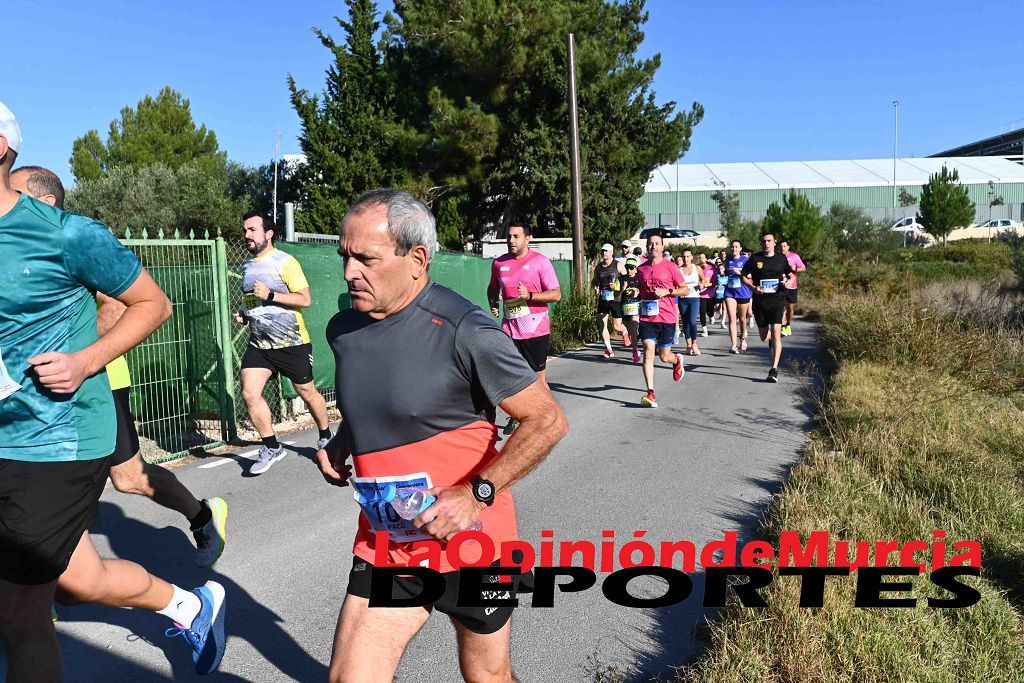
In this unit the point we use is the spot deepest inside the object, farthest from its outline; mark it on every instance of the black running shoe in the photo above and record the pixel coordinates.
(773, 376)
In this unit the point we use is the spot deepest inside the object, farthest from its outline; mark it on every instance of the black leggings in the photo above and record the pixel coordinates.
(707, 311)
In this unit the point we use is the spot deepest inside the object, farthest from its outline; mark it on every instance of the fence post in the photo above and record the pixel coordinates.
(223, 315)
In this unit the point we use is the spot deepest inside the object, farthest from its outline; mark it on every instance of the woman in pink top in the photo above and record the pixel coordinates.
(708, 277)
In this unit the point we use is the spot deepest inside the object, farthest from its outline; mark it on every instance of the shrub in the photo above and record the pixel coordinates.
(574, 322)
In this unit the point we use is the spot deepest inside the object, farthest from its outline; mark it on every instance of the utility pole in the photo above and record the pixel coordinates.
(578, 266)
(277, 155)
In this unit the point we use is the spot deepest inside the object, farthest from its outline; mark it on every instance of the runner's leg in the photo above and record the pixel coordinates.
(118, 583)
(368, 643)
(253, 382)
(485, 657)
(742, 314)
(649, 363)
(731, 306)
(605, 337)
(314, 400)
(776, 335)
(157, 483)
(27, 633)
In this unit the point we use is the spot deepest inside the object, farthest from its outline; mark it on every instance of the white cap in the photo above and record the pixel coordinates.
(625, 243)
(9, 128)
(607, 247)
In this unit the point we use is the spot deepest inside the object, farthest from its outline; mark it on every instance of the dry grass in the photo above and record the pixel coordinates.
(924, 411)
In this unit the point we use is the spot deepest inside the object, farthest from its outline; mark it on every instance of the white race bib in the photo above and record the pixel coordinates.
(516, 308)
(649, 308)
(631, 308)
(735, 282)
(770, 286)
(374, 496)
(607, 294)
(7, 385)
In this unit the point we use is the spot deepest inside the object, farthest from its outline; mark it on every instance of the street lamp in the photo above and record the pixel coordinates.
(895, 141)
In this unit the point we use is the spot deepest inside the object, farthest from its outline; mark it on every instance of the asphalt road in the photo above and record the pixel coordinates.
(703, 463)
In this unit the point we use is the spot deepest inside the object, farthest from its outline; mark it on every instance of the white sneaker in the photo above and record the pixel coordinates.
(704, 332)
(322, 444)
(266, 459)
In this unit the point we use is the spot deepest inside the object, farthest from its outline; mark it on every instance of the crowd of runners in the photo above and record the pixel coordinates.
(656, 303)
(420, 373)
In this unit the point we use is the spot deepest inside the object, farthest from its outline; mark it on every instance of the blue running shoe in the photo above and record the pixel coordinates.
(206, 636)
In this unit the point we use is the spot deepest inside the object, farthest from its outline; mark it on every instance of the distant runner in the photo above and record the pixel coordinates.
(660, 281)
(275, 291)
(606, 284)
(525, 281)
(689, 304)
(737, 298)
(766, 273)
(629, 296)
(797, 264)
(708, 278)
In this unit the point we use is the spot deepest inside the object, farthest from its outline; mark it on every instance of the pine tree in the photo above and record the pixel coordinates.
(157, 130)
(799, 221)
(352, 140)
(945, 204)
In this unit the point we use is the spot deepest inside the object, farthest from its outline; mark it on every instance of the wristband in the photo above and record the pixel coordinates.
(530, 297)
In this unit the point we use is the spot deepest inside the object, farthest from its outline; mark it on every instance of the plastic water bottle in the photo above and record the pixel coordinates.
(410, 502)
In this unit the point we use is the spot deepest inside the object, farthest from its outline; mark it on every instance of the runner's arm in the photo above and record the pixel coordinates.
(549, 296)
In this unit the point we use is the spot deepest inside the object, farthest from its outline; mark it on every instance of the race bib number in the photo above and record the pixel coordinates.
(631, 308)
(607, 294)
(720, 291)
(735, 282)
(516, 308)
(770, 286)
(251, 301)
(7, 385)
(649, 308)
(374, 495)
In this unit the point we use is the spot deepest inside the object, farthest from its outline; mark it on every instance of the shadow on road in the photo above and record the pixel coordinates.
(163, 552)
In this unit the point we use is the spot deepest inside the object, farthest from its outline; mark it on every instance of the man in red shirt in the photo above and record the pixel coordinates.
(660, 281)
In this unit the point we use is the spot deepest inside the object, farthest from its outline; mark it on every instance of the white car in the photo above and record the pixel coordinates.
(998, 225)
(908, 224)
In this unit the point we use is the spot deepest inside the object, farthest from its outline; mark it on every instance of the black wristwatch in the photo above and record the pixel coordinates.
(483, 490)
(270, 298)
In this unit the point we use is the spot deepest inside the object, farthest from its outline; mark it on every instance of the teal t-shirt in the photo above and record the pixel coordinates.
(51, 263)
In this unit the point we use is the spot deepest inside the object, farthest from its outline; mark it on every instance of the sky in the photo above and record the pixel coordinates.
(779, 81)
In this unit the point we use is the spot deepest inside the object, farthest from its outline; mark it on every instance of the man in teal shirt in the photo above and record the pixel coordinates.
(57, 425)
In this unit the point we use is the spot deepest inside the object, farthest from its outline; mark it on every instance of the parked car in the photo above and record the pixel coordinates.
(907, 224)
(671, 235)
(998, 225)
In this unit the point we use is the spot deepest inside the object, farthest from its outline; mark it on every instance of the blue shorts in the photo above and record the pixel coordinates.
(662, 334)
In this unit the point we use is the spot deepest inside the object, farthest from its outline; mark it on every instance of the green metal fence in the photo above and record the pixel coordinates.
(182, 394)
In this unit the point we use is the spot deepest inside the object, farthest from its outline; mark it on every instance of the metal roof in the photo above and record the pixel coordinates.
(840, 173)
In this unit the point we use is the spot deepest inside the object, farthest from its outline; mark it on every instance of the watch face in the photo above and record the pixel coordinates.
(484, 490)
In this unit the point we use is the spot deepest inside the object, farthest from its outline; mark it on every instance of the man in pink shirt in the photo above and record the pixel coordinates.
(660, 281)
(797, 264)
(526, 281)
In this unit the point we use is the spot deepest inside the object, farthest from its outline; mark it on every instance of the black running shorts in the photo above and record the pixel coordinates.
(294, 362)
(126, 444)
(45, 507)
(481, 620)
(535, 351)
(613, 308)
(768, 310)
(791, 295)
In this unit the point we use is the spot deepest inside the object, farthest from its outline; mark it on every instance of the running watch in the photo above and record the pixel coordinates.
(483, 490)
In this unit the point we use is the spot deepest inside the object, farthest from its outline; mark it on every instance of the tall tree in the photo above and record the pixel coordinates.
(484, 84)
(157, 130)
(352, 138)
(799, 221)
(945, 204)
(255, 186)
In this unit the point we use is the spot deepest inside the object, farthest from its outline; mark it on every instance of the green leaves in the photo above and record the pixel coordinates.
(945, 204)
(799, 221)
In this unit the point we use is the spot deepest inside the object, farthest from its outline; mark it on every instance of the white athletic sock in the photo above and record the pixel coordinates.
(183, 608)
(608, 345)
